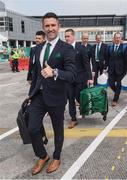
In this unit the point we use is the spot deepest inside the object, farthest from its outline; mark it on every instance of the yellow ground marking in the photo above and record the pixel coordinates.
(123, 150)
(90, 132)
(126, 142)
(106, 178)
(118, 157)
(113, 168)
(81, 132)
(3, 130)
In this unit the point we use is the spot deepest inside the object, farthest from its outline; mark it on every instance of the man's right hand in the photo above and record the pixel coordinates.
(29, 82)
(105, 71)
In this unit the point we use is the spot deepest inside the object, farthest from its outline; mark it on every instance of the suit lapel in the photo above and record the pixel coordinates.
(55, 51)
(39, 53)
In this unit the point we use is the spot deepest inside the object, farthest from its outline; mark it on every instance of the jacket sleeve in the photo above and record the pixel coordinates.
(68, 73)
(86, 62)
(92, 55)
(107, 56)
(31, 64)
(125, 59)
(33, 78)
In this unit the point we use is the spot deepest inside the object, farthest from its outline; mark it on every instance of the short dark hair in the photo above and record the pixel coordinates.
(40, 33)
(70, 30)
(50, 15)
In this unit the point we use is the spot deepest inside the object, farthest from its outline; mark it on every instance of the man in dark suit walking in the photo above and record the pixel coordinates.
(39, 38)
(54, 66)
(90, 52)
(116, 64)
(84, 76)
(100, 56)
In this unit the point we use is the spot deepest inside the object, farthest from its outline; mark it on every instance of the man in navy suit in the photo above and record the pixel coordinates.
(100, 56)
(54, 66)
(39, 38)
(84, 76)
(116, 64)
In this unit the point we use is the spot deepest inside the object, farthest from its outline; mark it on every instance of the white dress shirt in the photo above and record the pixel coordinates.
(53, 43)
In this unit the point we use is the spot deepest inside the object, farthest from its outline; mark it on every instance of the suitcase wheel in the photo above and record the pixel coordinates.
(104, 117)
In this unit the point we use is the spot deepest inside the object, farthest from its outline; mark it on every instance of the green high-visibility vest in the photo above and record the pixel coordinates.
(15, 55)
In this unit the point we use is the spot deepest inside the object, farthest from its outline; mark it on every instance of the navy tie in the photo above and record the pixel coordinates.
(115, 49)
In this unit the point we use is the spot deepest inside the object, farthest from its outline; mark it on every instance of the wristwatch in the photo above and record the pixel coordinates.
(55, 73)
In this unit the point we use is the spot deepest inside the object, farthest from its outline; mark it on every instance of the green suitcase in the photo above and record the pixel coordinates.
(93, 100)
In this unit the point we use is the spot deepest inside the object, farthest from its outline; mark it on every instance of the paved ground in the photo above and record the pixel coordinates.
(108, 161)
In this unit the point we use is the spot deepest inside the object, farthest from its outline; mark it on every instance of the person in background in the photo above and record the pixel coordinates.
(100, 56)
(22, 52)
(116, 65)
(15, 57)
(39, 38)
(5, 53)
(90, 51)
(84, 76)
(54, 66)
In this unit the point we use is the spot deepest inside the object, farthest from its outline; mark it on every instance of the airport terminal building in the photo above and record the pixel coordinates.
(16, 29)
(106, 25)
(19, 30)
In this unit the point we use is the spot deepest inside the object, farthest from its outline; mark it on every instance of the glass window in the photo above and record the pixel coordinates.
(1, 23)
(22, 26)
(105, 22)
(9, 23)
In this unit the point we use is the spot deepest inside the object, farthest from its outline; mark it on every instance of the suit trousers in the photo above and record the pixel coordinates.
(73, 93)
(38, 109)
(15, 65)
(114, 81)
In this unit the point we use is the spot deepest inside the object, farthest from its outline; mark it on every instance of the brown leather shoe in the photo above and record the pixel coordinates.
(39, 165)
(53, 166)
(114, 103)
(72, 124)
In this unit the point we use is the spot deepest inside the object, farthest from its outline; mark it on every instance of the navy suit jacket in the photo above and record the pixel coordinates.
(102, 55)
(82, 64)
(62, 58)
(116, 61)
(31, 64)
(91, 56)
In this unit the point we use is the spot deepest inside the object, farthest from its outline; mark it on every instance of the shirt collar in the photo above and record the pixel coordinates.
(73, 44)
(117, 45)
(53, 43)
(99, 44)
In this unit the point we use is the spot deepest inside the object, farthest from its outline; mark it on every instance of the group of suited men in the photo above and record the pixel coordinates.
(61, 75)
(100, 57)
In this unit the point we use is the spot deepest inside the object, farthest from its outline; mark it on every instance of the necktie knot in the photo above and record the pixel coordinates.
(48, 44)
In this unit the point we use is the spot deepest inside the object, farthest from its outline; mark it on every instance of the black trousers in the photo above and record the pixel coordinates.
(15, 65)
(38, 109)
(114, 81)
(73, 93)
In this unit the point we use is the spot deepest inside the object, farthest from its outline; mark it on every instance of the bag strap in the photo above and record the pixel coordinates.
(25, 103)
